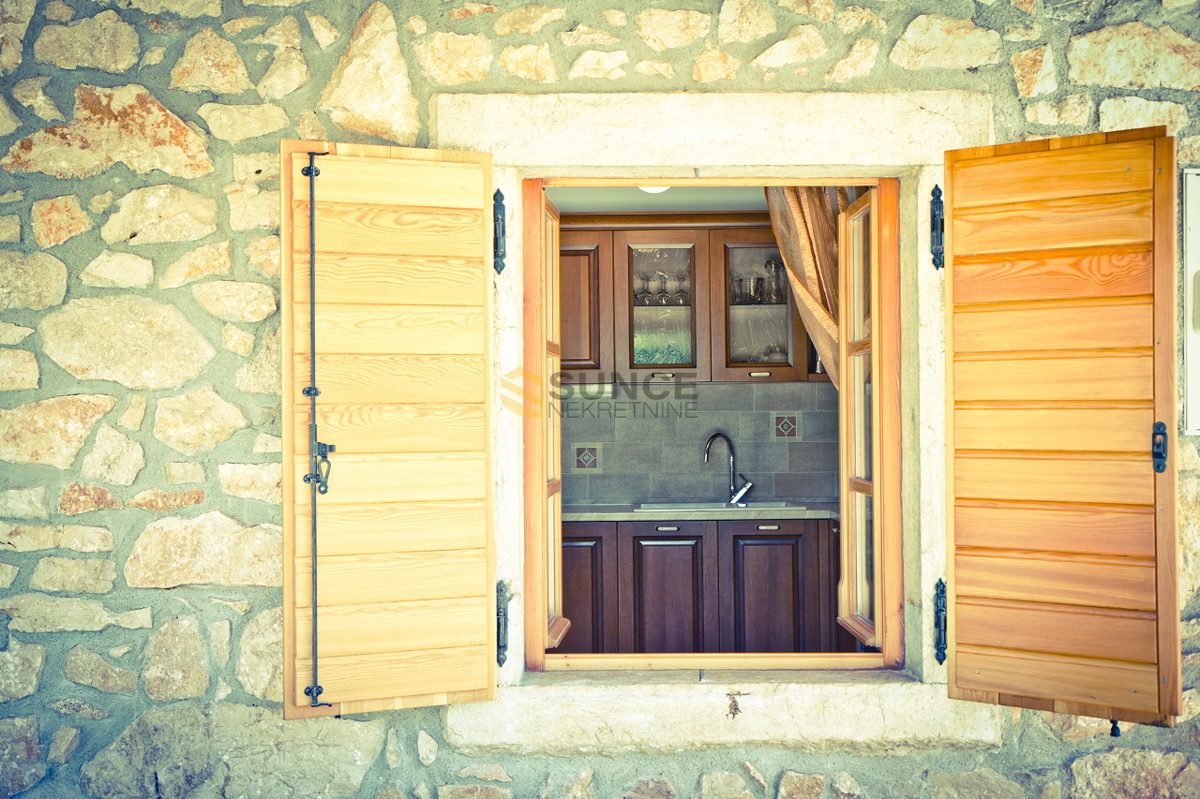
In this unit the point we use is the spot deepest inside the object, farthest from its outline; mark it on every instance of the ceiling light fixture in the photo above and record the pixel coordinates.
(654, 189)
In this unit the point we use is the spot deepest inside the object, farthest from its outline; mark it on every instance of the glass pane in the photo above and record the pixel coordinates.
(551, 257)
(759, 316)
(862, 399)
(860, 276)
(554, 425)
(864, 537)
(661, 279)
(554, 563)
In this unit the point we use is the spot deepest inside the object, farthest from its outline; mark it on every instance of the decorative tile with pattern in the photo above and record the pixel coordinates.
(785, 426)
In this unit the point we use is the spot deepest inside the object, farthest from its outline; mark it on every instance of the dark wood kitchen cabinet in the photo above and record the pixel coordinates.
(667, 586)
(589, 578)
(701, 586)
(694, 298)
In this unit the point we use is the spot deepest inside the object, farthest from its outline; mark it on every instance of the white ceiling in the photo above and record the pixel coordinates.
(630, 199)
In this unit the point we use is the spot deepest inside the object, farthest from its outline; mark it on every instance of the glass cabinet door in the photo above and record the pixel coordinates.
(661, 316)
(757, 332)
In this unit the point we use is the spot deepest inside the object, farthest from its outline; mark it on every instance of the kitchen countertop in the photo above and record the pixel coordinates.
(588, 512)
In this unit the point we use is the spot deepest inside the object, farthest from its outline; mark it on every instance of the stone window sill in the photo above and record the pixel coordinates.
(870, 713)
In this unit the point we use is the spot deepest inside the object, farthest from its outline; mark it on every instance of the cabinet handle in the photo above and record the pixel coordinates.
(666, 528)
(767, 526)
(760, 374)
(662, 375)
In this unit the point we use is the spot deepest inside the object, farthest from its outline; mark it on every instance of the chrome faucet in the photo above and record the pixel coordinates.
(735, 493)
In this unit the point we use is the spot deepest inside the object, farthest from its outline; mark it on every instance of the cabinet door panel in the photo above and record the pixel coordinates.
(589, 579)
(757, 335)
(668, 587)
(661, 319)
(586, 304)
(770, 587)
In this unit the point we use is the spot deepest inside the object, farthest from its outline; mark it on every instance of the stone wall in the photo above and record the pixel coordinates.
(139, 366)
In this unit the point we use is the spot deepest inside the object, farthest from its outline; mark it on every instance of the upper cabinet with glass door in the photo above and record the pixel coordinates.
(757, 334)
(661, 314)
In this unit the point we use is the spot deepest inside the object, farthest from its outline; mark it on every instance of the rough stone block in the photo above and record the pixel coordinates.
(58, 219)
(124, 124)
(20, 755)
(85, 667)
(21, 667)
(196, 421)
(50, 432)
(104, 42)
(373, 67)
(74, 575)
(211, 549)
(177, 661)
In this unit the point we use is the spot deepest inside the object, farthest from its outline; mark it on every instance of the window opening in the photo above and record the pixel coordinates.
(664, 302)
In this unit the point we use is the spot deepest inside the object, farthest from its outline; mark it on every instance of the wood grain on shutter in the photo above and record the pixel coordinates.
(404, 558)
(1061, 351)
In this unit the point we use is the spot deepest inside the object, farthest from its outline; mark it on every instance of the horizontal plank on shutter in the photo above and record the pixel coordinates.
(1073, 172)
(396, 428)
(1067, 478)
(1098, 529)
(383, 527)
(1062, 579)
(1108, 219)
(393, 329)
(385, 379)
(1111, 429)
(418, 700)
(396, 626)
(410, 280)
(361, 180)
(393, 577)
(1054, 274)
(399, 477)
(1059, 629)
(1114, 375)
(1061, 677)
(1114, 324)
(367, 677)
(427, 232)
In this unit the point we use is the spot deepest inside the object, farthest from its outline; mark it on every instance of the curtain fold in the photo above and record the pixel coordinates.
(804, 220)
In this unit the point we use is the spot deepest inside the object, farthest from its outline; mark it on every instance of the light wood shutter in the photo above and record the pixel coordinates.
(1061, 358)
(406, 606)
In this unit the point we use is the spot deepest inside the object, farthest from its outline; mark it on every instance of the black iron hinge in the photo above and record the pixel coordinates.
(498, 248)
(937, 228)
(1158, 447)
(503, 597)
(939, 621)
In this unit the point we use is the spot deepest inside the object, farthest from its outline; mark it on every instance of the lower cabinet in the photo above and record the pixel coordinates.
(701, 586)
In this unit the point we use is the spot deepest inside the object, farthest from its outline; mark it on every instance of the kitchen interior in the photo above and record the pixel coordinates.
(699, 431)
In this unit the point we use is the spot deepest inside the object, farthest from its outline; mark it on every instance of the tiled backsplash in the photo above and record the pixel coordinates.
(648, 450)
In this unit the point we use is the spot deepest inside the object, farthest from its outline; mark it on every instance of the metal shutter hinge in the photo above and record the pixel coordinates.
(503, 597)
(939, 621)
(498, 248)
(1158, 447)
(937, 228)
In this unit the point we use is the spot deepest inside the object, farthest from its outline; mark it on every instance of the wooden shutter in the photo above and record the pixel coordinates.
(1061, 358)
(533, 392)
(406, 606)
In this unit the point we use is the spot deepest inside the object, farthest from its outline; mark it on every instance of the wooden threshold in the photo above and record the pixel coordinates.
(552, 182)
(798, 661)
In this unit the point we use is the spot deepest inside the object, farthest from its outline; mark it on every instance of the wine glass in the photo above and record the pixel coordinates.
(682, 294)
(642, 294)
(663, 297)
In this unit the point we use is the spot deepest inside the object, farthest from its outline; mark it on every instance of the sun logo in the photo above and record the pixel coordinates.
(521, 392)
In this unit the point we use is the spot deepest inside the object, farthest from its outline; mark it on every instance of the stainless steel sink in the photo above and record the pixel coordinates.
(714, 506)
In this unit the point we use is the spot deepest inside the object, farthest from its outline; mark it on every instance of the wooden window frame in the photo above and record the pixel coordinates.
(540, 623)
